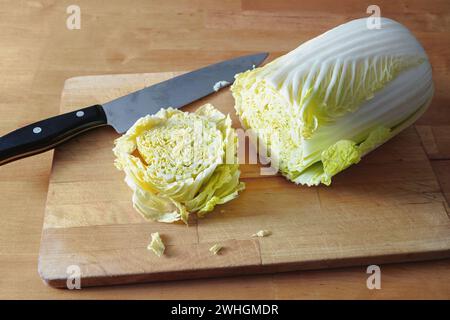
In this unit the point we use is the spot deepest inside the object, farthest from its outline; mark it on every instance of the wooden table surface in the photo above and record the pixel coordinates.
(38, 52)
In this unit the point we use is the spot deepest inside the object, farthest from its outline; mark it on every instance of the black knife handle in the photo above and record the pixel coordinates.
(47, 134)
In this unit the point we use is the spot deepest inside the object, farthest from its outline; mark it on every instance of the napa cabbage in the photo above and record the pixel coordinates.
(335, 98)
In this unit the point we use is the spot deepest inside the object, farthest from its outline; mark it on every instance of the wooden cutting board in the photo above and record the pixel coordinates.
(388, 208)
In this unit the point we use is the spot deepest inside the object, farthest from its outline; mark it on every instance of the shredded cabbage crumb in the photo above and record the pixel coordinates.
(215, 249)
(220, 84)
(262, 233)
(156, 245)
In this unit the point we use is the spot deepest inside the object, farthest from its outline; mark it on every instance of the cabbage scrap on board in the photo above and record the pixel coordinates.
(335, 98)
(177, 163)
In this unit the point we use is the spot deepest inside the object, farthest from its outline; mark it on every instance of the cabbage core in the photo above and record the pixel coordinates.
(175, 163)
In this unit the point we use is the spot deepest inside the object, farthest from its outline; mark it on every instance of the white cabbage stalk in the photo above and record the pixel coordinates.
(336, 97)
(177, 163)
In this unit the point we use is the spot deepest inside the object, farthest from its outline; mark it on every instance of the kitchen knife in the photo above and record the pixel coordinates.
(122, 112)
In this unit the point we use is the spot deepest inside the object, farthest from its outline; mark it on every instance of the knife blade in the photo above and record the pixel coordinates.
(122, 112)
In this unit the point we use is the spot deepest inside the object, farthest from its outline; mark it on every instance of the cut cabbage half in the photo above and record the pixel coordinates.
(177, 163)
(335, 98)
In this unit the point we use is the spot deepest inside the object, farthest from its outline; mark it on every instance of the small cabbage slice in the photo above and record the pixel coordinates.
(215, 249)
(156, 244)
(262, 233)
(177, 163)
(335, 98)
